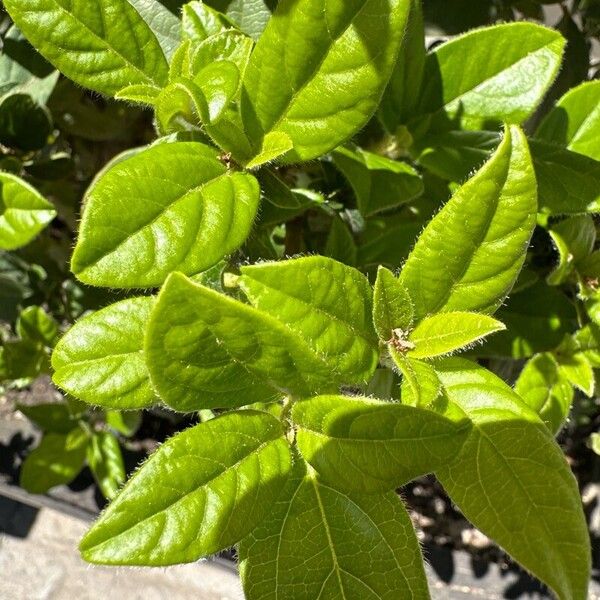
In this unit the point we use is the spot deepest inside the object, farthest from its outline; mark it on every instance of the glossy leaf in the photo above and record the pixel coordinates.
(545, 390)
(369, 445)
(470, 254)
(392, 306)
(512, 481)
(320, 542)
(164, 23)
(574, 123)
(24, 212)
(447, 332)
(337, 59)
(378, 182)
(100, 359)
(200, 492)
(306, 295)
(177, 191)
(275, 144)
(56, 461)
(104, 46)
(105, 460)
(490, 75)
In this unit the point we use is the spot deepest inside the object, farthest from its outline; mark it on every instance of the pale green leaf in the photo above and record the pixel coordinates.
(105, 461)
(326, 303)
(104, 45)
(164, 23)
(392, 306)
(578, 370)
(125, 422)
(490, 75)
(100, 359)
(251, 16)
(443, 333)
(56, 461)
(178, 192)
(24, 212)
(575, 121)
(511, 480)
(202, 491)
(369, 445)
(319, 70)
(545, 391)
(318, 542)
(421, 386)
(230, 45)
(140, 94)
(200, 21)
(470, 254)
(379, 183)
(274, 145)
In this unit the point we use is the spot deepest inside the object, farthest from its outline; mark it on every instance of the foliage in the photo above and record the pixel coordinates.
(407, 181)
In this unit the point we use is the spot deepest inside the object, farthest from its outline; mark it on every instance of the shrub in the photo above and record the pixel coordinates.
(331, 377)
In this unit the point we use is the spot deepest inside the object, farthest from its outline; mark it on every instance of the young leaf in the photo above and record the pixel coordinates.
(251, 16)
(106, 462)
(318, 542)
(337, 59)
(200, 492)
(545, 390)
(378, 182)
(100, 359)
(326, 303)
(574, 123)
(200, 21)
(392, 306)
(104, 46)
(24, 212)
(511, 481)
(56, 461)
(206, 350)
(446, 332)
(470, 254)
(577, 369)
(421, 387)
(490, 75)
(140, 94)
(373, 446)
(275, 144)
(177, 191)
(165, 25)
(569, 183)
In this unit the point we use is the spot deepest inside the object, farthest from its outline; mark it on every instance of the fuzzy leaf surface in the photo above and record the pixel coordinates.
(178, 192)
(202, 491)
(471, 252)
(100, 359)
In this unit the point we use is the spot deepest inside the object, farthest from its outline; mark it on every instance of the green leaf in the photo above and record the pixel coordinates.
(230, 45)
(372, 446)
(105, 460)
(490, 75)
(318, 542)
(23, 212)
(56, 461)
(100, 359)
(569, 183)
(24, 124)
(574, 239)
(578, 370)
(54, 417)
(574, 122)
(202, 491)
(206, 350)
(104, 46)
(340, 243)
(470, 254)
(402, 94)
(165, 25)
(595, 442)
(378, 182)
(536, 320)
(512, 481)
(125, 422)
(22, 360)
(275, 144)
(37, 326)
(337, 59)
(447, 332)
(392, 306)
(179, 192)
(140, 94)
(326, 303)
(251, 16)
(545, 391)
(200, 21)
(421, 387)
